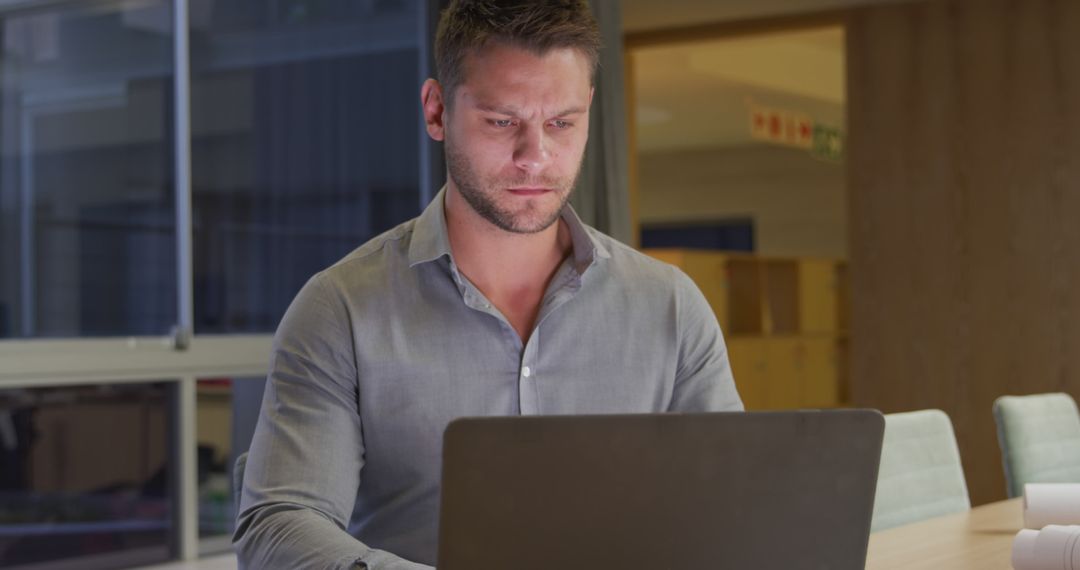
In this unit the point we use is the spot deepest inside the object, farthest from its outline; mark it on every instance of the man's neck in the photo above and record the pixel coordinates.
(512, 270)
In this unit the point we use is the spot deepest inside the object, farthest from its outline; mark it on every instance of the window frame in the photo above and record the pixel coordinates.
(181, 358)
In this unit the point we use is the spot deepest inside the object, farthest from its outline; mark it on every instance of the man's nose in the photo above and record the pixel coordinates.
(532, 153)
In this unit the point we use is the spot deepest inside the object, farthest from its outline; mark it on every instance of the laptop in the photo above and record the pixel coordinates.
(754, 490)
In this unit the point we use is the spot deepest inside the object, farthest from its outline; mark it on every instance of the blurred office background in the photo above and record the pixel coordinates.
(877, 196)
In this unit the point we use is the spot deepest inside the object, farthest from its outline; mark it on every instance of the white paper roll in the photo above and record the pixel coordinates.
(1076, 554)
(1051, 503)
(1052, 548)
(1023, 550)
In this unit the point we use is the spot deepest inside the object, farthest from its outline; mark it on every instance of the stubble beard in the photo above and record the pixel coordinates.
(480, 194)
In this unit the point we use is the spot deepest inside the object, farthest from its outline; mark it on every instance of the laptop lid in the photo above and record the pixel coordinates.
(740, 490)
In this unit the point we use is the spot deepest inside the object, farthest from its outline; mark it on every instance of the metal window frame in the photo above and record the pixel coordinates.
(50, 363)
(183, 357)
(178, 359)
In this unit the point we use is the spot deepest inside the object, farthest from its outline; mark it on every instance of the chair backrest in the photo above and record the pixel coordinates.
(238, 479)
(1040, 439)
(920, 475)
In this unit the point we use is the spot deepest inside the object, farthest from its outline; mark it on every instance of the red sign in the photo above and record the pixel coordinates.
(781, 127)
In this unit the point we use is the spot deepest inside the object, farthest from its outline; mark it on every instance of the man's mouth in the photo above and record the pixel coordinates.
(529, 190)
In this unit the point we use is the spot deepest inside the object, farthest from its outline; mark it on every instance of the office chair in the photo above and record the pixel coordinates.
(920, 476)
(1040, 439)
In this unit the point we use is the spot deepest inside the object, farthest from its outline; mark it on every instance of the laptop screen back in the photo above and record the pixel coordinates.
(755, 490)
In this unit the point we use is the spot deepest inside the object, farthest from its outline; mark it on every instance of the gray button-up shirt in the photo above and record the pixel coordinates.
(378, 353)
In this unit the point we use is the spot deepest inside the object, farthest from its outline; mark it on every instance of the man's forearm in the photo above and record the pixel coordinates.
(288, 536)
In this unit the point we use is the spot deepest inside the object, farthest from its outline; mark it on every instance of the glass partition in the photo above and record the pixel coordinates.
(85, 475)
(305, 144)
(87, 223)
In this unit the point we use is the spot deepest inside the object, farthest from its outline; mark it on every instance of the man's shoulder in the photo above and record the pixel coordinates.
(625, 262)
(381, 253)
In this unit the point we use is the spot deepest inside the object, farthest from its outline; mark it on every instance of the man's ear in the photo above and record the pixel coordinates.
(431, 96)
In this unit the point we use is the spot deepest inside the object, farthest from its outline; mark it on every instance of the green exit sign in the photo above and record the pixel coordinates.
(828, 143)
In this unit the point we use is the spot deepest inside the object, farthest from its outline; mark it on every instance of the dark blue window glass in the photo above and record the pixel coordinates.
(84, 475)
(87, 238)
(305, 143)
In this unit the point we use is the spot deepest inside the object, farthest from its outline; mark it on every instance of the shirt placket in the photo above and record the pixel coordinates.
(564, 285)
(528, 393)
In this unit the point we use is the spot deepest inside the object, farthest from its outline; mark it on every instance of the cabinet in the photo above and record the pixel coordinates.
(98, 441)
(784, 320)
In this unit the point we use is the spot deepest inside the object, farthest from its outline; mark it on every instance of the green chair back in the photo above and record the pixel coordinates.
(921, 475)
(1040, 439)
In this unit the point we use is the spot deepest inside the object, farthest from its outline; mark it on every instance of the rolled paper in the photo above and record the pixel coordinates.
(1023, 550)
(1072, 560)
(1055, 547)
(1051, 503)
(1052, 546)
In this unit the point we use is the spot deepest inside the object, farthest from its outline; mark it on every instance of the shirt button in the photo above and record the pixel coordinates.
(526, 371)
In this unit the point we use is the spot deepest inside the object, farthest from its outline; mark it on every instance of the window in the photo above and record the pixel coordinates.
(227, 412)
(87, 232)
(306, 138)
(85, 474)
(302, 122)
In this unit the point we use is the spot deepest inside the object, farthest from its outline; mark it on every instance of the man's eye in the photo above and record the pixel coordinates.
(502, 123)
(560, 124)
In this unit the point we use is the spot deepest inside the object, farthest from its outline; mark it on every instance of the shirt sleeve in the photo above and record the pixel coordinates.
(306, 456)
(703, 379)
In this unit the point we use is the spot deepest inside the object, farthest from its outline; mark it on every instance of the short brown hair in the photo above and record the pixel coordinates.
(534, 25)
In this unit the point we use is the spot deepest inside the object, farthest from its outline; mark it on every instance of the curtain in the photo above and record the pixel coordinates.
(602, 196)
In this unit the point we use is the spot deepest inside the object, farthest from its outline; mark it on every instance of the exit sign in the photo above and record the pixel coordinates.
(782, 127)
(790, 128)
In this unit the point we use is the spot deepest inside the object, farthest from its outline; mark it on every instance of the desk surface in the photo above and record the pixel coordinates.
(977, 539)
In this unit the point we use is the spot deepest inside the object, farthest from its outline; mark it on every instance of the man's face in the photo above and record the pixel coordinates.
(516, 134)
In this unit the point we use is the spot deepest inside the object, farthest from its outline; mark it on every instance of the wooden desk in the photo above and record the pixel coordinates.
(978, 539)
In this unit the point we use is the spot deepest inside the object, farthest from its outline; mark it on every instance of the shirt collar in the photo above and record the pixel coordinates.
(586, 248)
(431, 241)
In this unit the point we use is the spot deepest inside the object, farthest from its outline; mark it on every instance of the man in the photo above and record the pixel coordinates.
(497, 300)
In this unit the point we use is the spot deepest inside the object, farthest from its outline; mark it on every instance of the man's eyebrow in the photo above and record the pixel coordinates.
(512, 111)
(500, 109)
(571, 111)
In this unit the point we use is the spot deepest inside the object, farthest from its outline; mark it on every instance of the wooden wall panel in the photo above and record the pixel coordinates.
(964, 184)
